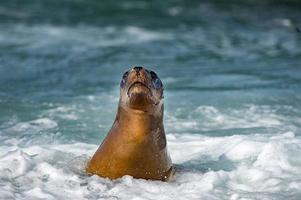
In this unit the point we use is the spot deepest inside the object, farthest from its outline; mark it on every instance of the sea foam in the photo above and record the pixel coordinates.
(230, 167)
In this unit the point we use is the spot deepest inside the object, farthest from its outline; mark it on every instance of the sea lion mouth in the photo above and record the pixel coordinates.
(139, 84)
(140, 95)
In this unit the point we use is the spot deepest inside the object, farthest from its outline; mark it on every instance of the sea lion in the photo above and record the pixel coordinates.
(136, 142)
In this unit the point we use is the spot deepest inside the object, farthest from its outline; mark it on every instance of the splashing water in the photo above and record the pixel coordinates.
(232, 97)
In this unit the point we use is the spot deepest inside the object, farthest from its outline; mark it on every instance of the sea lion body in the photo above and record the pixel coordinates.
(136, 143)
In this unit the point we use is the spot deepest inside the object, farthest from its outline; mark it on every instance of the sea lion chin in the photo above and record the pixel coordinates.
(136, 143)
(139, 96)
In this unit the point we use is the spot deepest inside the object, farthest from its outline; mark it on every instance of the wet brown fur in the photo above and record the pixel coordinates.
(136, 143)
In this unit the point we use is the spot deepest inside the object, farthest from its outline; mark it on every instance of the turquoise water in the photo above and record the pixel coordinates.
(232, 79)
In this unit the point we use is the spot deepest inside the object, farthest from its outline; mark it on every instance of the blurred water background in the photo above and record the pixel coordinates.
(232, 76)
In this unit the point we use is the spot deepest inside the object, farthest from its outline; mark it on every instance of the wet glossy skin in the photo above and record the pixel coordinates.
(136, 143)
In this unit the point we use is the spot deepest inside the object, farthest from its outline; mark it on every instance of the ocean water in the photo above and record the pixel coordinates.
(232, 76)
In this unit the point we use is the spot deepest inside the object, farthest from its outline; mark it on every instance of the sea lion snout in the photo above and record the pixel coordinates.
(137, 69)
(139, 74)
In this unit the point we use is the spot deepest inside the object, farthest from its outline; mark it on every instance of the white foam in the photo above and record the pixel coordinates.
(205, 118)
(261, 166)
(44, 123)
(34, 125)
(15, 163)
(37, 193)
(81, 37)
(144, 35)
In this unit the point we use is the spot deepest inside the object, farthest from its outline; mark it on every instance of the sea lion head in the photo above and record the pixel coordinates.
(141, 89)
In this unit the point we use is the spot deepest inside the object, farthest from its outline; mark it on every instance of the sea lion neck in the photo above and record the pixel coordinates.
(127, 114)
(139, 120)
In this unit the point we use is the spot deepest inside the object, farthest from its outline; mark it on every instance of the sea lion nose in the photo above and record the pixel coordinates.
(138, 68)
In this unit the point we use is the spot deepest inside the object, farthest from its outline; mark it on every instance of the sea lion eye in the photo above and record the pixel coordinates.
(153, 75)
(156, 81)
(125, 75)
